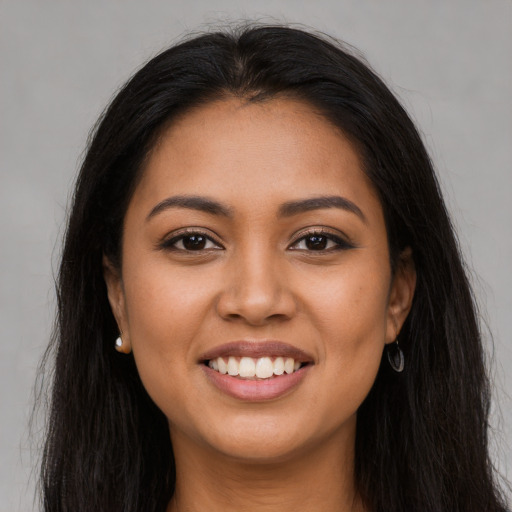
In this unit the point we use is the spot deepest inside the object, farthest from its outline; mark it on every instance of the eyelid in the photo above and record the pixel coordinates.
(172, 238)
(339, 238)
(342, 240)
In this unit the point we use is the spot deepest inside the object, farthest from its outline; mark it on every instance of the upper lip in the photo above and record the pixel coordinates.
(257, 349)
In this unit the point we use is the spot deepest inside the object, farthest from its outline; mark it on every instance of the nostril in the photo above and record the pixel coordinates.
(256, 313)
(256, 293)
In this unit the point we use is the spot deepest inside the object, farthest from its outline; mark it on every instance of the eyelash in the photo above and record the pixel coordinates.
(340, 243)
(171, 243)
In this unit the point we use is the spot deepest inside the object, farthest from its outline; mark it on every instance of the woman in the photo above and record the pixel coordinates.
(258, 231)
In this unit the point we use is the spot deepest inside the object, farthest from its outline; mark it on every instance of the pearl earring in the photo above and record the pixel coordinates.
(119, 342)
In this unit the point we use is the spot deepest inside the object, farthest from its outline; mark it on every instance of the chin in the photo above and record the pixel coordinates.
(271, 440)
(260, 450)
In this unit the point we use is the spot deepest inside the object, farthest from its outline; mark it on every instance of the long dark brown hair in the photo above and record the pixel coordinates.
(421, 441)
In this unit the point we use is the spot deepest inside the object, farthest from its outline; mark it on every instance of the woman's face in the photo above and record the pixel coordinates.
(255, 244)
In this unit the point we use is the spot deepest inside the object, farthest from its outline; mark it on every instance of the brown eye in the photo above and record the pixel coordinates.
(316, 242)
(194, 242)
(320, 242)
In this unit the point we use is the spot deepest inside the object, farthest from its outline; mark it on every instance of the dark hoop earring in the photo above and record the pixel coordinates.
(396, 357)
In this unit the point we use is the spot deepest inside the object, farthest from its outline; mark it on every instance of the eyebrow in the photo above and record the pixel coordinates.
(203, 204)
(291, 208)
(287, 209)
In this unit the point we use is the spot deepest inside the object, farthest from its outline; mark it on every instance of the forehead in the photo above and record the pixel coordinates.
(278, 149)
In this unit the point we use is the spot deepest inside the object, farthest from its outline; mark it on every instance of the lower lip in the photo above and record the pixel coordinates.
(256, 390)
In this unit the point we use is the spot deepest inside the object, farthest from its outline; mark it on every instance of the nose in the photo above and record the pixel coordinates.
(257, 290)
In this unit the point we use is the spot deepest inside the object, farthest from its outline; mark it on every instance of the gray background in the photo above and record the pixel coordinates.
(60, 62)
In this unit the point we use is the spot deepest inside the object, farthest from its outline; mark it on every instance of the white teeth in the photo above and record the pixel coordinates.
(223, 367)
(264, 368)
(233, 366)
(248, 367)
(288, 365)
(279, 366)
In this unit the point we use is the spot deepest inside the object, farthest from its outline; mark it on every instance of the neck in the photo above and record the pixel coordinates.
(317, 479)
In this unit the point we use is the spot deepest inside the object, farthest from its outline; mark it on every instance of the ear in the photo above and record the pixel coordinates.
(401, 294)
(116, 298)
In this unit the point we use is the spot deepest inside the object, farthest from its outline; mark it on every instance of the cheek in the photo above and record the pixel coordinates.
(162, 301)
(165, 311)
(351, 314)
(351, 302)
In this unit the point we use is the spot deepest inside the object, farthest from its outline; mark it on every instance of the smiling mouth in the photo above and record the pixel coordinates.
(256, 370)
(250, 368)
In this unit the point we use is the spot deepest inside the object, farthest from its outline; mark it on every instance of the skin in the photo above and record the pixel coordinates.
(258, 279)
